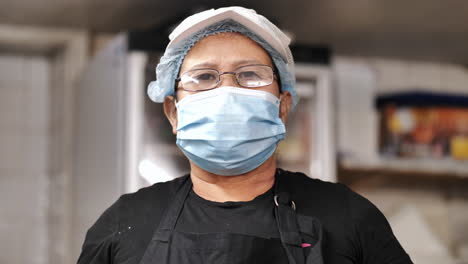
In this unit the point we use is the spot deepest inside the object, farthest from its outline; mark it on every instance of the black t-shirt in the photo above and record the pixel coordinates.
(254, 218)
(355, 231)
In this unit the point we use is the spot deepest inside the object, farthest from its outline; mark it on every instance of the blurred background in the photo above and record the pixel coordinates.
(384, 110)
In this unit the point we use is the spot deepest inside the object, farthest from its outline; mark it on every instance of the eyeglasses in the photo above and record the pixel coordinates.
(249, 76)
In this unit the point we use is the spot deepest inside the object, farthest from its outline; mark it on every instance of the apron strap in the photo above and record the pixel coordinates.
(313, 227)
(159, 244)
(169, 221)
(285, 213)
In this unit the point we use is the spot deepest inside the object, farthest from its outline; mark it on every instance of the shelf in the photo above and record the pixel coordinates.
(419, 166)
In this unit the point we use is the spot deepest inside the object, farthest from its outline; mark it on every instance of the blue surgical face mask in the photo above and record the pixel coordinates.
(229, 130)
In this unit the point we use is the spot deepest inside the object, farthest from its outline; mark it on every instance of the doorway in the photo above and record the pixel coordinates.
(38, 68)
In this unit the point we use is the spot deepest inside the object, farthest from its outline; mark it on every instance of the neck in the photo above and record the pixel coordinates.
(244, 187)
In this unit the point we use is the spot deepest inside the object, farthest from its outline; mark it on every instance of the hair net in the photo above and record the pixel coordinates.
(169, 65)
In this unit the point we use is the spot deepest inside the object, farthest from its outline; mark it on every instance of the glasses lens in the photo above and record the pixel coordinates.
(199, 79)
(254, 75)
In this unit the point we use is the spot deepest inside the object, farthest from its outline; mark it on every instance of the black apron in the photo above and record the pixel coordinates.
(301, 237)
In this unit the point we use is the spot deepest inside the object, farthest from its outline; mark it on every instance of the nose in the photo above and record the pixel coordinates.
(228, 79)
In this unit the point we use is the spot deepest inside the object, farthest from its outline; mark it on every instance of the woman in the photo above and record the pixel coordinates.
(227, 83)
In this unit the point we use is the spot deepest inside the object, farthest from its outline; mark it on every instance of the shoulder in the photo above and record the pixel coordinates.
(354, 226)
(128, 223)
(329, 200)
(153, 198)
(149, 199)
(302, 186)
(159, 190)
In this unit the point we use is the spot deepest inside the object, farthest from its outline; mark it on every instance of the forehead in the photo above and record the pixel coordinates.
(225, 50)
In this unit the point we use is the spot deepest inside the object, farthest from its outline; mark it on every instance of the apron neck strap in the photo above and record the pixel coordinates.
(285, 213)
(169, 221)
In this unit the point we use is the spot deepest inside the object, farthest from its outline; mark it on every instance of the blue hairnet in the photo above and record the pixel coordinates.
(169, 64)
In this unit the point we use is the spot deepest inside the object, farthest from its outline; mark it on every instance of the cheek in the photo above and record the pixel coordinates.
(276, 89)
(273, 89)
(180, 94)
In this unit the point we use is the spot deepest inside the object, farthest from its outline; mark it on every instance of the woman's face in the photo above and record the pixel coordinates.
(226, 52)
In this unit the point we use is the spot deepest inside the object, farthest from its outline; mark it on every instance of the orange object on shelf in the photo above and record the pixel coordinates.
(459, 147)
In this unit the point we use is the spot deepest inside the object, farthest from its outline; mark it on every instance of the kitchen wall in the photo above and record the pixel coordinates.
(24, 160)
(428, 213)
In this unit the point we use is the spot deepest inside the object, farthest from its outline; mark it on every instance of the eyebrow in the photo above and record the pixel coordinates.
(203, 65)
(251, 61)
(235, 64)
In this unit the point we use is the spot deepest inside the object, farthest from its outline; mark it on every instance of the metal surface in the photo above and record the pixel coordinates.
(428, 30)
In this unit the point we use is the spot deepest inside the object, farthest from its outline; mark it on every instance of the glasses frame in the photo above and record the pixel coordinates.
(228, 72)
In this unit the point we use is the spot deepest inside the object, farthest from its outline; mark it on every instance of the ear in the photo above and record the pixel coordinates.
(170, 111)
(285, 105)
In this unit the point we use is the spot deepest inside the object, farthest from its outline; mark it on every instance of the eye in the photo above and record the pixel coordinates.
(248, 75)
(205, 76)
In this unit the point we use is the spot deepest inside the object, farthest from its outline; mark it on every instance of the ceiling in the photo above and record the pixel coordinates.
(435, 30)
